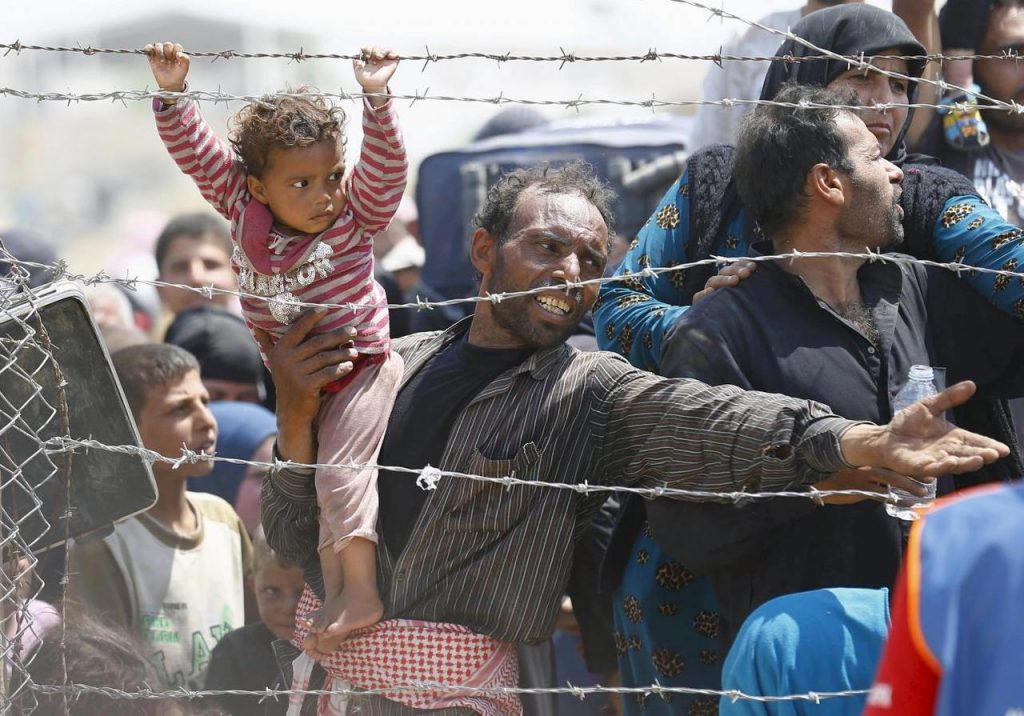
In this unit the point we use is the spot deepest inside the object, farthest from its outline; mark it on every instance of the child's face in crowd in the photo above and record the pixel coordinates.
(176, 414)
(302, 186)
(195, 261)
(278, 590)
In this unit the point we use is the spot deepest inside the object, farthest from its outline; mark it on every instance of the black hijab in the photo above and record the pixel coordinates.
(846, 30)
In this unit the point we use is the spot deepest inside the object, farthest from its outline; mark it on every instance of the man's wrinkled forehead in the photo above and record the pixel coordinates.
(557, 212)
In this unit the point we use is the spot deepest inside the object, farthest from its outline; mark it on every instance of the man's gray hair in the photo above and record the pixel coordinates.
(498, 212)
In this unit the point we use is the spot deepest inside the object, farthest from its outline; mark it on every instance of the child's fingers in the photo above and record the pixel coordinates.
(378, 54)
(169, 51)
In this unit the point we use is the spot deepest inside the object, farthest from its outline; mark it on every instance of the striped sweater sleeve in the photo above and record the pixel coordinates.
(378, 180)
(199, 153)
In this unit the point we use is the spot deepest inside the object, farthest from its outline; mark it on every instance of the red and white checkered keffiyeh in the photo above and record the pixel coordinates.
(404, 652)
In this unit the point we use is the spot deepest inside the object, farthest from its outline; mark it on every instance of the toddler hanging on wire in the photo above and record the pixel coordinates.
(302, 233)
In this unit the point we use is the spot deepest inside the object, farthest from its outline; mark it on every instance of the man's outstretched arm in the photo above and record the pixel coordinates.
(684, 434)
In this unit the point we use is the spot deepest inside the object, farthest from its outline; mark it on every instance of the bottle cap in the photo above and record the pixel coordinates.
(921, 372)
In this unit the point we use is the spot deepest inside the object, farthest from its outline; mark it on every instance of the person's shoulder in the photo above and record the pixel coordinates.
(779, 20)
(410, 343)
(244, 639)
(599, 367)
(718, 156)
(91, 547)
(974, 533)
(989, 503)
(919, 277)
(934, 181)
(742, 41)
(727, 304)
(124, 535)
(214, 508)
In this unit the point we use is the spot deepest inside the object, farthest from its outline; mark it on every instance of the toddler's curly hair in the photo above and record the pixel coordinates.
(283, 121)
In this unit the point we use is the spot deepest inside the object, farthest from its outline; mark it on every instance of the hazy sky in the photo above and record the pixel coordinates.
(472, 23)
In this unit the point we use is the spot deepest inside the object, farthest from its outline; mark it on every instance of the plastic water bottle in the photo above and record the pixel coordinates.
(920, 384)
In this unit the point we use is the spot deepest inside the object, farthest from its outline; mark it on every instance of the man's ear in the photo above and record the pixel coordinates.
(824, 183)
(257, 189)
(483, 250)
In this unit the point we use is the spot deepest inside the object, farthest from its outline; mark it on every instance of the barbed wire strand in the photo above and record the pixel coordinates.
(580, 692)
(219, 97)
(59, 270)
(429, 476)
(563, 58)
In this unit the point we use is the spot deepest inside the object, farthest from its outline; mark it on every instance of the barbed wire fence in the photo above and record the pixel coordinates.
(56, 449)
(36, 445)
(26, 470)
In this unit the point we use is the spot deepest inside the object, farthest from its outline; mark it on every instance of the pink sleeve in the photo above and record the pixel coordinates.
(198, 152)
(378, 180)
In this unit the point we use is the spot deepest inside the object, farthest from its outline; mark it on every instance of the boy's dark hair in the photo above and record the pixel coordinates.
(141, 368)
(90, 653)
(777, 146)
(499, 210)
(196, 226)
(281, 122)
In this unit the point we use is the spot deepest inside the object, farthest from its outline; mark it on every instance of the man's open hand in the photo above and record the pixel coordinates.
(920, 442)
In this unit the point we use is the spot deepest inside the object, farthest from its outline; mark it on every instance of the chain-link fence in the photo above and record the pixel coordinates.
(28, 411)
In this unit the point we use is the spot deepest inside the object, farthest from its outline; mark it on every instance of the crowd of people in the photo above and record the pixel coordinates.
(354, 566)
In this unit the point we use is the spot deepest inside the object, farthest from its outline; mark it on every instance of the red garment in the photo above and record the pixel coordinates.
(405, 652)
(907, 681)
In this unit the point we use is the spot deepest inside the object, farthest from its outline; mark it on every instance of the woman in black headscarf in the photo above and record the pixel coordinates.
(700, 216)
(854, 30)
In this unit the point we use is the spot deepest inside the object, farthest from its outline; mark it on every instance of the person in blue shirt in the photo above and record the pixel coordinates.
(665, 614)
(954, 646)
